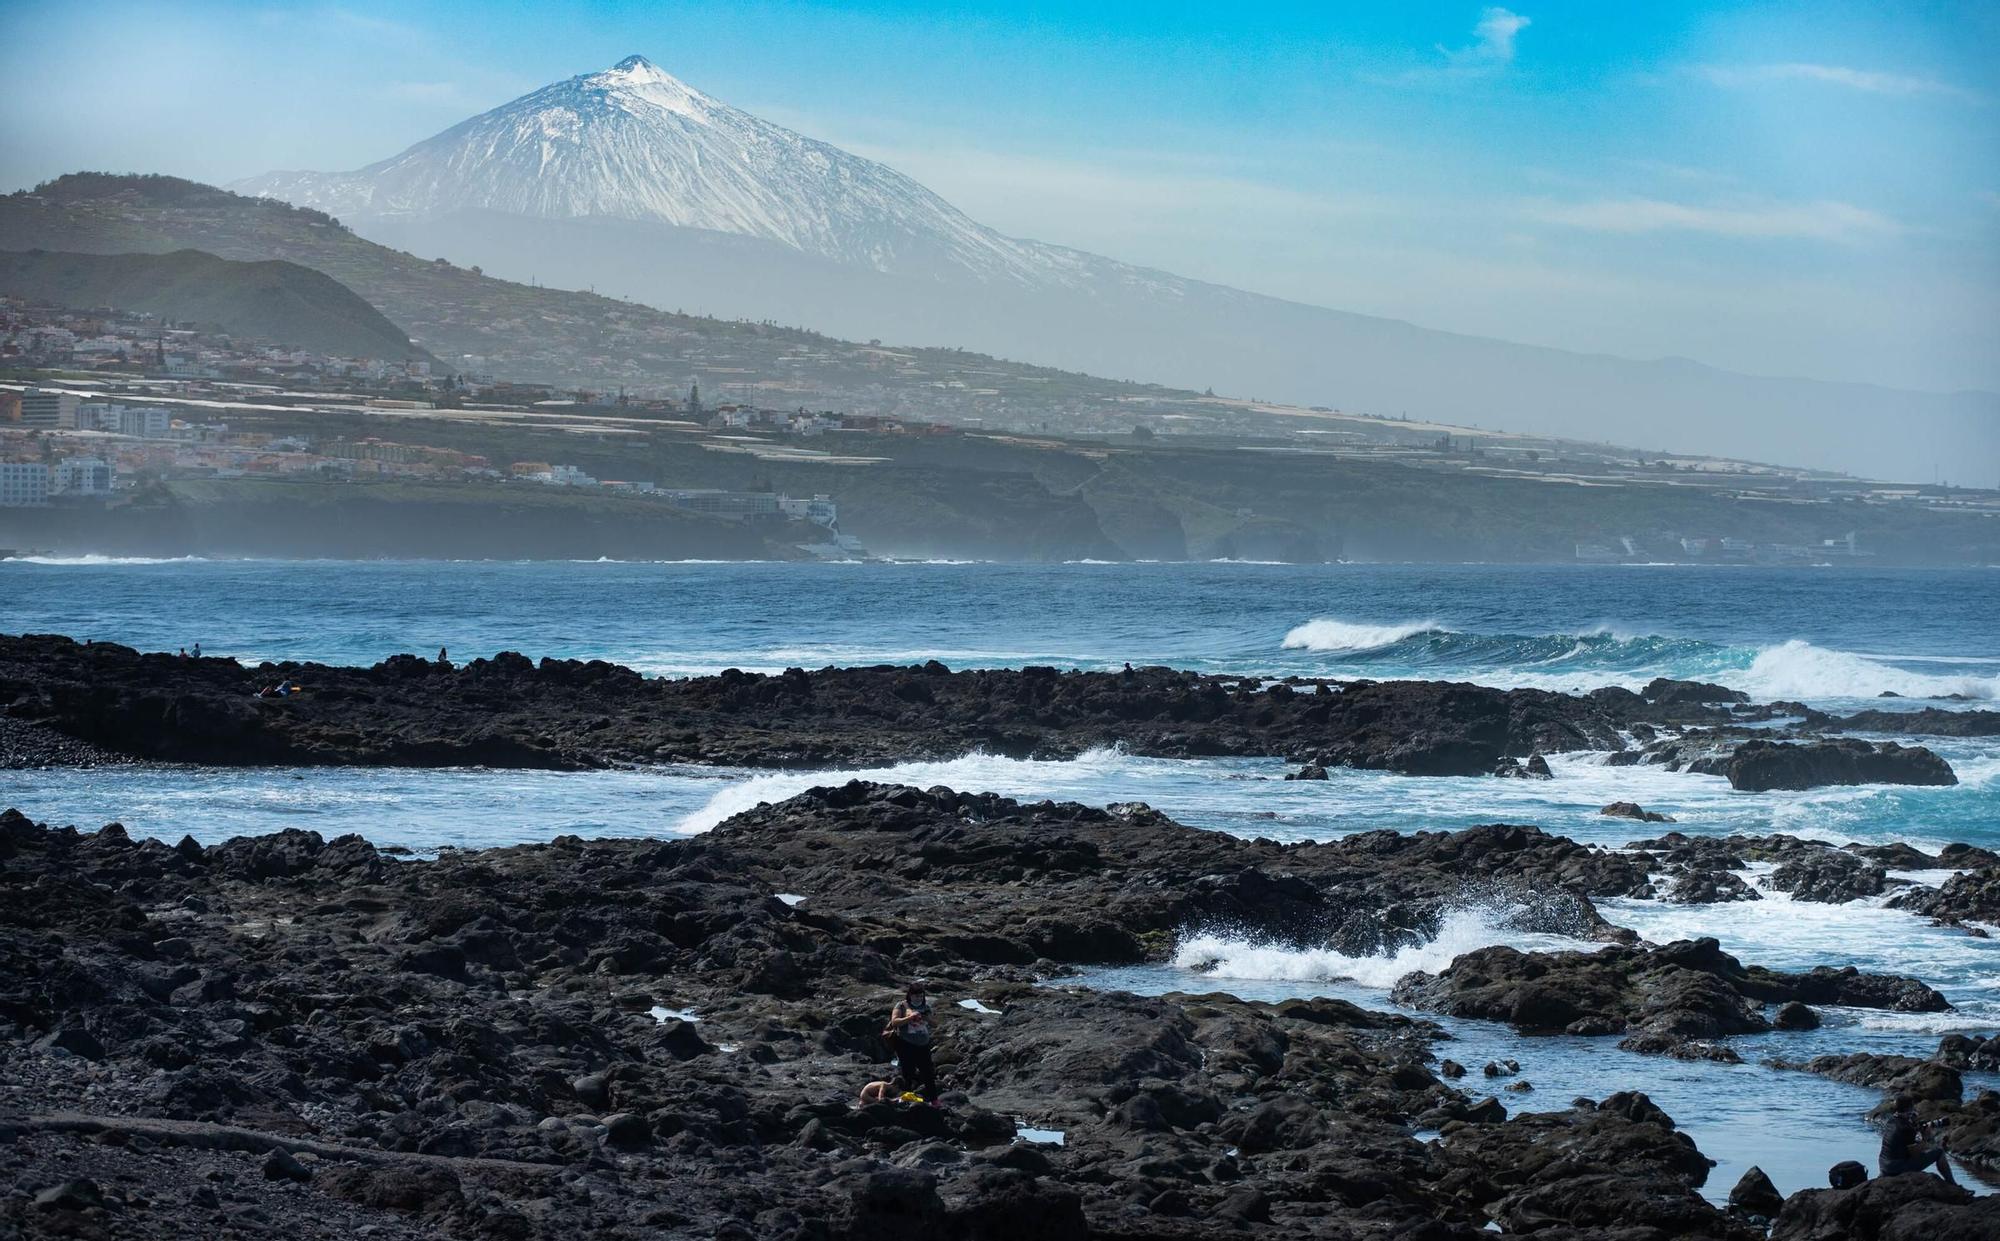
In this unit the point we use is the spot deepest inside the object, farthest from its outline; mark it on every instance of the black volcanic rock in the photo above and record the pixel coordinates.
(1760, 766)
(438, 1042)
(1973, 896)
(1830, 877)
(1669, 692)
(256, 1005)
(562, 714)
(1928, 722)
(1634, 811)
(1889, 1208)
(1755, 1197)
(1663, 995)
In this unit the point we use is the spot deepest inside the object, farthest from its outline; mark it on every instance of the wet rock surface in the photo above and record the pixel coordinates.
(1760, 766)
(1669, 998)
(286, 1035)
(1968, 898)
(1754, 761)
(292, 1036)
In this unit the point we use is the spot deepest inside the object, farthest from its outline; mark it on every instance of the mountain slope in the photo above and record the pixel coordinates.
(271, 299)
(634, 143)
(631, 181)
(534, 333)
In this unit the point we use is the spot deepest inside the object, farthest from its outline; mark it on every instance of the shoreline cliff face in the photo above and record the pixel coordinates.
(643, 1038)
(301, 520)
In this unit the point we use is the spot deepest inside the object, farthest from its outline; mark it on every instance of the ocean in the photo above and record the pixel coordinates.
(1836, 639)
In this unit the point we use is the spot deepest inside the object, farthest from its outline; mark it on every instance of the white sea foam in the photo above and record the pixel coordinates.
(1798, 669)
(1463, 931)
(1329, 634)
(94, 558)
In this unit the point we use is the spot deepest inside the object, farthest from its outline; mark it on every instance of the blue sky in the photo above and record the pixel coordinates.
(1801, 189)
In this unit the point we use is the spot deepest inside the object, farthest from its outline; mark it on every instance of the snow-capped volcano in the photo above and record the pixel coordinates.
(631, 182)
(635, 143)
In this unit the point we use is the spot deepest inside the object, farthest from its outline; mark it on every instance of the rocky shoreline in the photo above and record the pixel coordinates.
(64, 702)
(642, 1038)
(627, 1038)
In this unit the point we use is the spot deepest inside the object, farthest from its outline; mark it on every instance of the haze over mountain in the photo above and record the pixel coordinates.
(634, 183)
(272, 300)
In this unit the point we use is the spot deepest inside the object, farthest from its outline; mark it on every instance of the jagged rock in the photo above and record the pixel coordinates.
(1666, 691)
(1633, 810)
(1688, 990)
(1970, 897)
(1831, 877)
(1755, 1197)
(1707, 887)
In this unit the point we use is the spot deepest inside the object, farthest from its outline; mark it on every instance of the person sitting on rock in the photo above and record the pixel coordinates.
(909, 1037)
(878, 1092)
(1903, 1147)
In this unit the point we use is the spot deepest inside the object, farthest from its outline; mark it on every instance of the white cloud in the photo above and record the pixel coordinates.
(1816, 221)
(1872, 81)
(1492, 40)
(1496, 30)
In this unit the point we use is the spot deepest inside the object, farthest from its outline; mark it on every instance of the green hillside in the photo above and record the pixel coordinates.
(272, 300)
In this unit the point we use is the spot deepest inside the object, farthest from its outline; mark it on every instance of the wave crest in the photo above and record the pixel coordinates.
(1797, 669)
(1328, 634)
(1219, 955)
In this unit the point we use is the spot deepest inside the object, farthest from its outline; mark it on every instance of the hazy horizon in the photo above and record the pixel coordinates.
(1736, 187)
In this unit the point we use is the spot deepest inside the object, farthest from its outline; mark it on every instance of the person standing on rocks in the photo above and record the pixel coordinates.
(1903, 1147)
(909, 1037)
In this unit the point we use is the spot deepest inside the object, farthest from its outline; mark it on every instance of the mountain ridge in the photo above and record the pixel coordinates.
(271, 299)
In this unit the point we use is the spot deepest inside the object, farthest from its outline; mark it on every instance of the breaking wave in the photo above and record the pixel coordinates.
(1605, 655)
(1328, 634)
(1798, 669)
(1462, 930)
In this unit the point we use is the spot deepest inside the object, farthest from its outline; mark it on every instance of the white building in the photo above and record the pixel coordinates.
(49, 409)
(81, 476)
(23, 484)
(820, 510)
(145, 421)
(98, 416)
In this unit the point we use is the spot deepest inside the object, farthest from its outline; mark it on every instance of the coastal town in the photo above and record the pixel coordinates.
(98, 402)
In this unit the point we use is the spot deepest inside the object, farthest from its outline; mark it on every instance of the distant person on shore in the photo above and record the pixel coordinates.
(909, 1037)
(197, 650)
(1903, 1145)
(443, 658)
(878, 1092)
